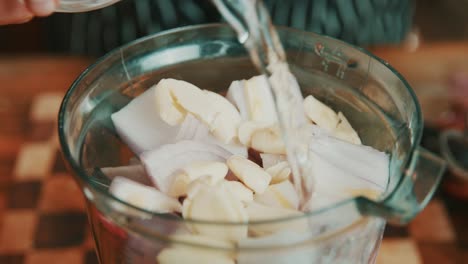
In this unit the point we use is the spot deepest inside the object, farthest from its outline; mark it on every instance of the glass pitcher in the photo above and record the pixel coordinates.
(377, 101)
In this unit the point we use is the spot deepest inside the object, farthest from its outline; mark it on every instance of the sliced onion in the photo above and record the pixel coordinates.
(193, 129)
(234, 148)
(188, 128)
(161, 163)
(140, 126)
(339, 165)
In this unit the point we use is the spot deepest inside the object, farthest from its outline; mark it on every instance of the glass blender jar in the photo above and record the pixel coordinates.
(377, 101)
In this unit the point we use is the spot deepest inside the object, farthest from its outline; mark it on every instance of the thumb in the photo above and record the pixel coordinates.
(14, 12)
(41, 7)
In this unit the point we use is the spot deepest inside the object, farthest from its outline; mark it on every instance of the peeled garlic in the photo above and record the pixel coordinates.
(239, 190)
(215, 203)
(168, 108)
(279, 195)
(144, 197)
(268, 140)
(216, 170)
(227, 119)
(326, 118)
(253, 99)
(213, 109)
(320, 114)
(252, 175)
(246, 129)
(262, 137)
(345, 131)
(279, 172)
(259, 100)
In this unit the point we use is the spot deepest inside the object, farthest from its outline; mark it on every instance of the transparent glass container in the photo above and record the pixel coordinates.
(377, 101)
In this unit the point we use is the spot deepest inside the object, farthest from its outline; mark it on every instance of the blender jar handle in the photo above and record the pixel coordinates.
(412, 193)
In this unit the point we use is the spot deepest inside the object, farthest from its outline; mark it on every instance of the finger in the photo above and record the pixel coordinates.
(41, 7)
(14, 12)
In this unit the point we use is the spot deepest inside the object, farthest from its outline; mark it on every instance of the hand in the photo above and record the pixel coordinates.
(21, 11)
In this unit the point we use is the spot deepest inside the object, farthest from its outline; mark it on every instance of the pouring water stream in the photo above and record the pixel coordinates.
(251, 21)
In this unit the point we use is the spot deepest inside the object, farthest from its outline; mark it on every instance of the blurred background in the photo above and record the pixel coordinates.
(360, 22)
(426, 40)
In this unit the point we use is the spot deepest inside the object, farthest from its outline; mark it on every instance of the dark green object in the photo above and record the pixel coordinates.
(359, 22)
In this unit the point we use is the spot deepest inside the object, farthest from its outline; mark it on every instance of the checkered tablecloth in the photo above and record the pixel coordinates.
(43, 218)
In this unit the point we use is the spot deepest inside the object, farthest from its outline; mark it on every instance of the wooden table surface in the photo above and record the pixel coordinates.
(39, 225)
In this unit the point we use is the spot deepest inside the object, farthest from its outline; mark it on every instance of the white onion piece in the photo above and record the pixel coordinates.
(193, 129)
(339, 165)
(144, 197)
(234, 147)
(236, 96)
(269, 160)
(140, 126)
(239, 190)
(189, 127)
(301, 255)
(247, 171)
(133, 172)
(320, 200)
(161, 163)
